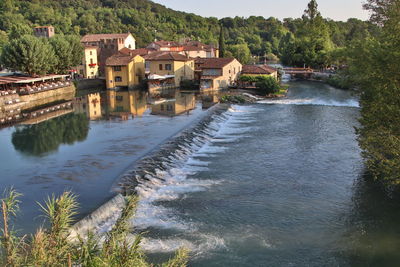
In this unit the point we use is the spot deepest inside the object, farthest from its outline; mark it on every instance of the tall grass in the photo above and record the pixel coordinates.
(52, 246)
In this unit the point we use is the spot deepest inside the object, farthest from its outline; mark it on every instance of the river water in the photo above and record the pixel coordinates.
(276, 183)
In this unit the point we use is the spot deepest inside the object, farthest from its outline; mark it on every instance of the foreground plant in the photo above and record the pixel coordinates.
(54, 247)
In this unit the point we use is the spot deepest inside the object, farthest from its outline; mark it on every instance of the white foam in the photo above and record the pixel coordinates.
(312, 101)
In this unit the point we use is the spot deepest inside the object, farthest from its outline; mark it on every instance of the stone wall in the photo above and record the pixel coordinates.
(42, 98)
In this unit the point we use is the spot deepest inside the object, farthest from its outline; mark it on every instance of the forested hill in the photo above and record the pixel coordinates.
(147, 20)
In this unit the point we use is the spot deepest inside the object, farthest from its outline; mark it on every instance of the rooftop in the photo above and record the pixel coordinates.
(214, 63)
(97, 37)
(258, 69)
(166, 56)
(120, 59)
(139, 51)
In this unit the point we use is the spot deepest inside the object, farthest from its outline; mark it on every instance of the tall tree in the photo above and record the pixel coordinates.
(374, 65)
(221, 42)
(68, 51)
(311, 13)
(28, 54)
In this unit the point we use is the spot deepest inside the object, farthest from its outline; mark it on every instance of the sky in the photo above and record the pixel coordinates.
(334, 9)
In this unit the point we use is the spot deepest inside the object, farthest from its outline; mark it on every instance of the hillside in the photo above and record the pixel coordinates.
(147, 20)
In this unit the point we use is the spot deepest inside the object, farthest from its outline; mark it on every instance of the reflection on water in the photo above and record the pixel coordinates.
(373, 234)
(47, 136)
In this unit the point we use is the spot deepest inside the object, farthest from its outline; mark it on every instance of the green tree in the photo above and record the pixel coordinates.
(221, 42)
(374, 67)
(268, 85)
(68, 51)
(241, 52)
(28, 54)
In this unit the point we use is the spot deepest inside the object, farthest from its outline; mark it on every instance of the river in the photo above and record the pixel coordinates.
(276, 183)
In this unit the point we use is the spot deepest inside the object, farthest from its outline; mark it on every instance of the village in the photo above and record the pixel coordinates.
(112, 62)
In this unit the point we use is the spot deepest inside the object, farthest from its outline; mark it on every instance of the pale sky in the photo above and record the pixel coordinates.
(334, 9)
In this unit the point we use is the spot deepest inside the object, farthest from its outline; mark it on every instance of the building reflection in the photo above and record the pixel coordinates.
(90, 105)
(209, 99)
(180, 103)
(126, 102)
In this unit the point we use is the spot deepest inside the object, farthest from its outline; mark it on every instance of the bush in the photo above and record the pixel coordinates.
(268, 85)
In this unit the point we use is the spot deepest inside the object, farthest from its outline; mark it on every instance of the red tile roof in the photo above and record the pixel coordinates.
(134, 52)
(258, 69)
(166, 56)
(97, 37)
(214, 63)
(163, 43)
(119, 59)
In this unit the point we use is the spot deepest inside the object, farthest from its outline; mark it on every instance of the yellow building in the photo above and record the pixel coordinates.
(171, 63)
(127, 101)
(89, 68)
(126, 71)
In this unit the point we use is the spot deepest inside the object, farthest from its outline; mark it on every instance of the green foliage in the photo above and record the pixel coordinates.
(68, 52)
(374, 68)
(241, 52)
(268, 85)
(147, 20)
(28, 54)
(236, 99)
(54, 247)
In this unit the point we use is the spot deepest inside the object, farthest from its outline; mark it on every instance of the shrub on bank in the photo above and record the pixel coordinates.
(53, 246)
(268, 85)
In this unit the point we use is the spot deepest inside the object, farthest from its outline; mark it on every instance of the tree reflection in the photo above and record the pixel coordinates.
(47, 136)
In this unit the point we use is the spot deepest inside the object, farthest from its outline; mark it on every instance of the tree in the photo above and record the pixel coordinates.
(311, 13)
(374, 68)
(221, 42)
(268, 85)
(68, 51)
(241, 52)
(28, 54)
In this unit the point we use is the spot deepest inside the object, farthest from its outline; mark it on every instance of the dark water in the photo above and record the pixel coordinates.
(278, 183)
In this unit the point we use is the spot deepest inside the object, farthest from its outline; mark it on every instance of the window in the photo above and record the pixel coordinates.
(91, 61)
(91, 52)
(92, 73)
(168, 67)
(169, 107)
(117, 68)
(129, 46)
(118, 79)
(162, 107)
(119, 97)
(160, 67)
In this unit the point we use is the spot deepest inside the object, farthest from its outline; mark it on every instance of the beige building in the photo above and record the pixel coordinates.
(218, 73)
(193, 49)
(170, 63)
(126, 71)
(89, 69)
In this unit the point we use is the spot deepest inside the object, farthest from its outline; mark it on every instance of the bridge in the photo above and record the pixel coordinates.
(298, 71)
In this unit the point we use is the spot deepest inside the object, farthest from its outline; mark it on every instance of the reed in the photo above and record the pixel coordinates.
(52, 246)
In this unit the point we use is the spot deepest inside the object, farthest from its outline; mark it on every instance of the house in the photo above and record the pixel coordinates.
(170, 63)
(44, 31)
(125, 71)
(259, 70)
(89, 68)
(140, 51)
(218, 73)
(108, 45)
(165, 46)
